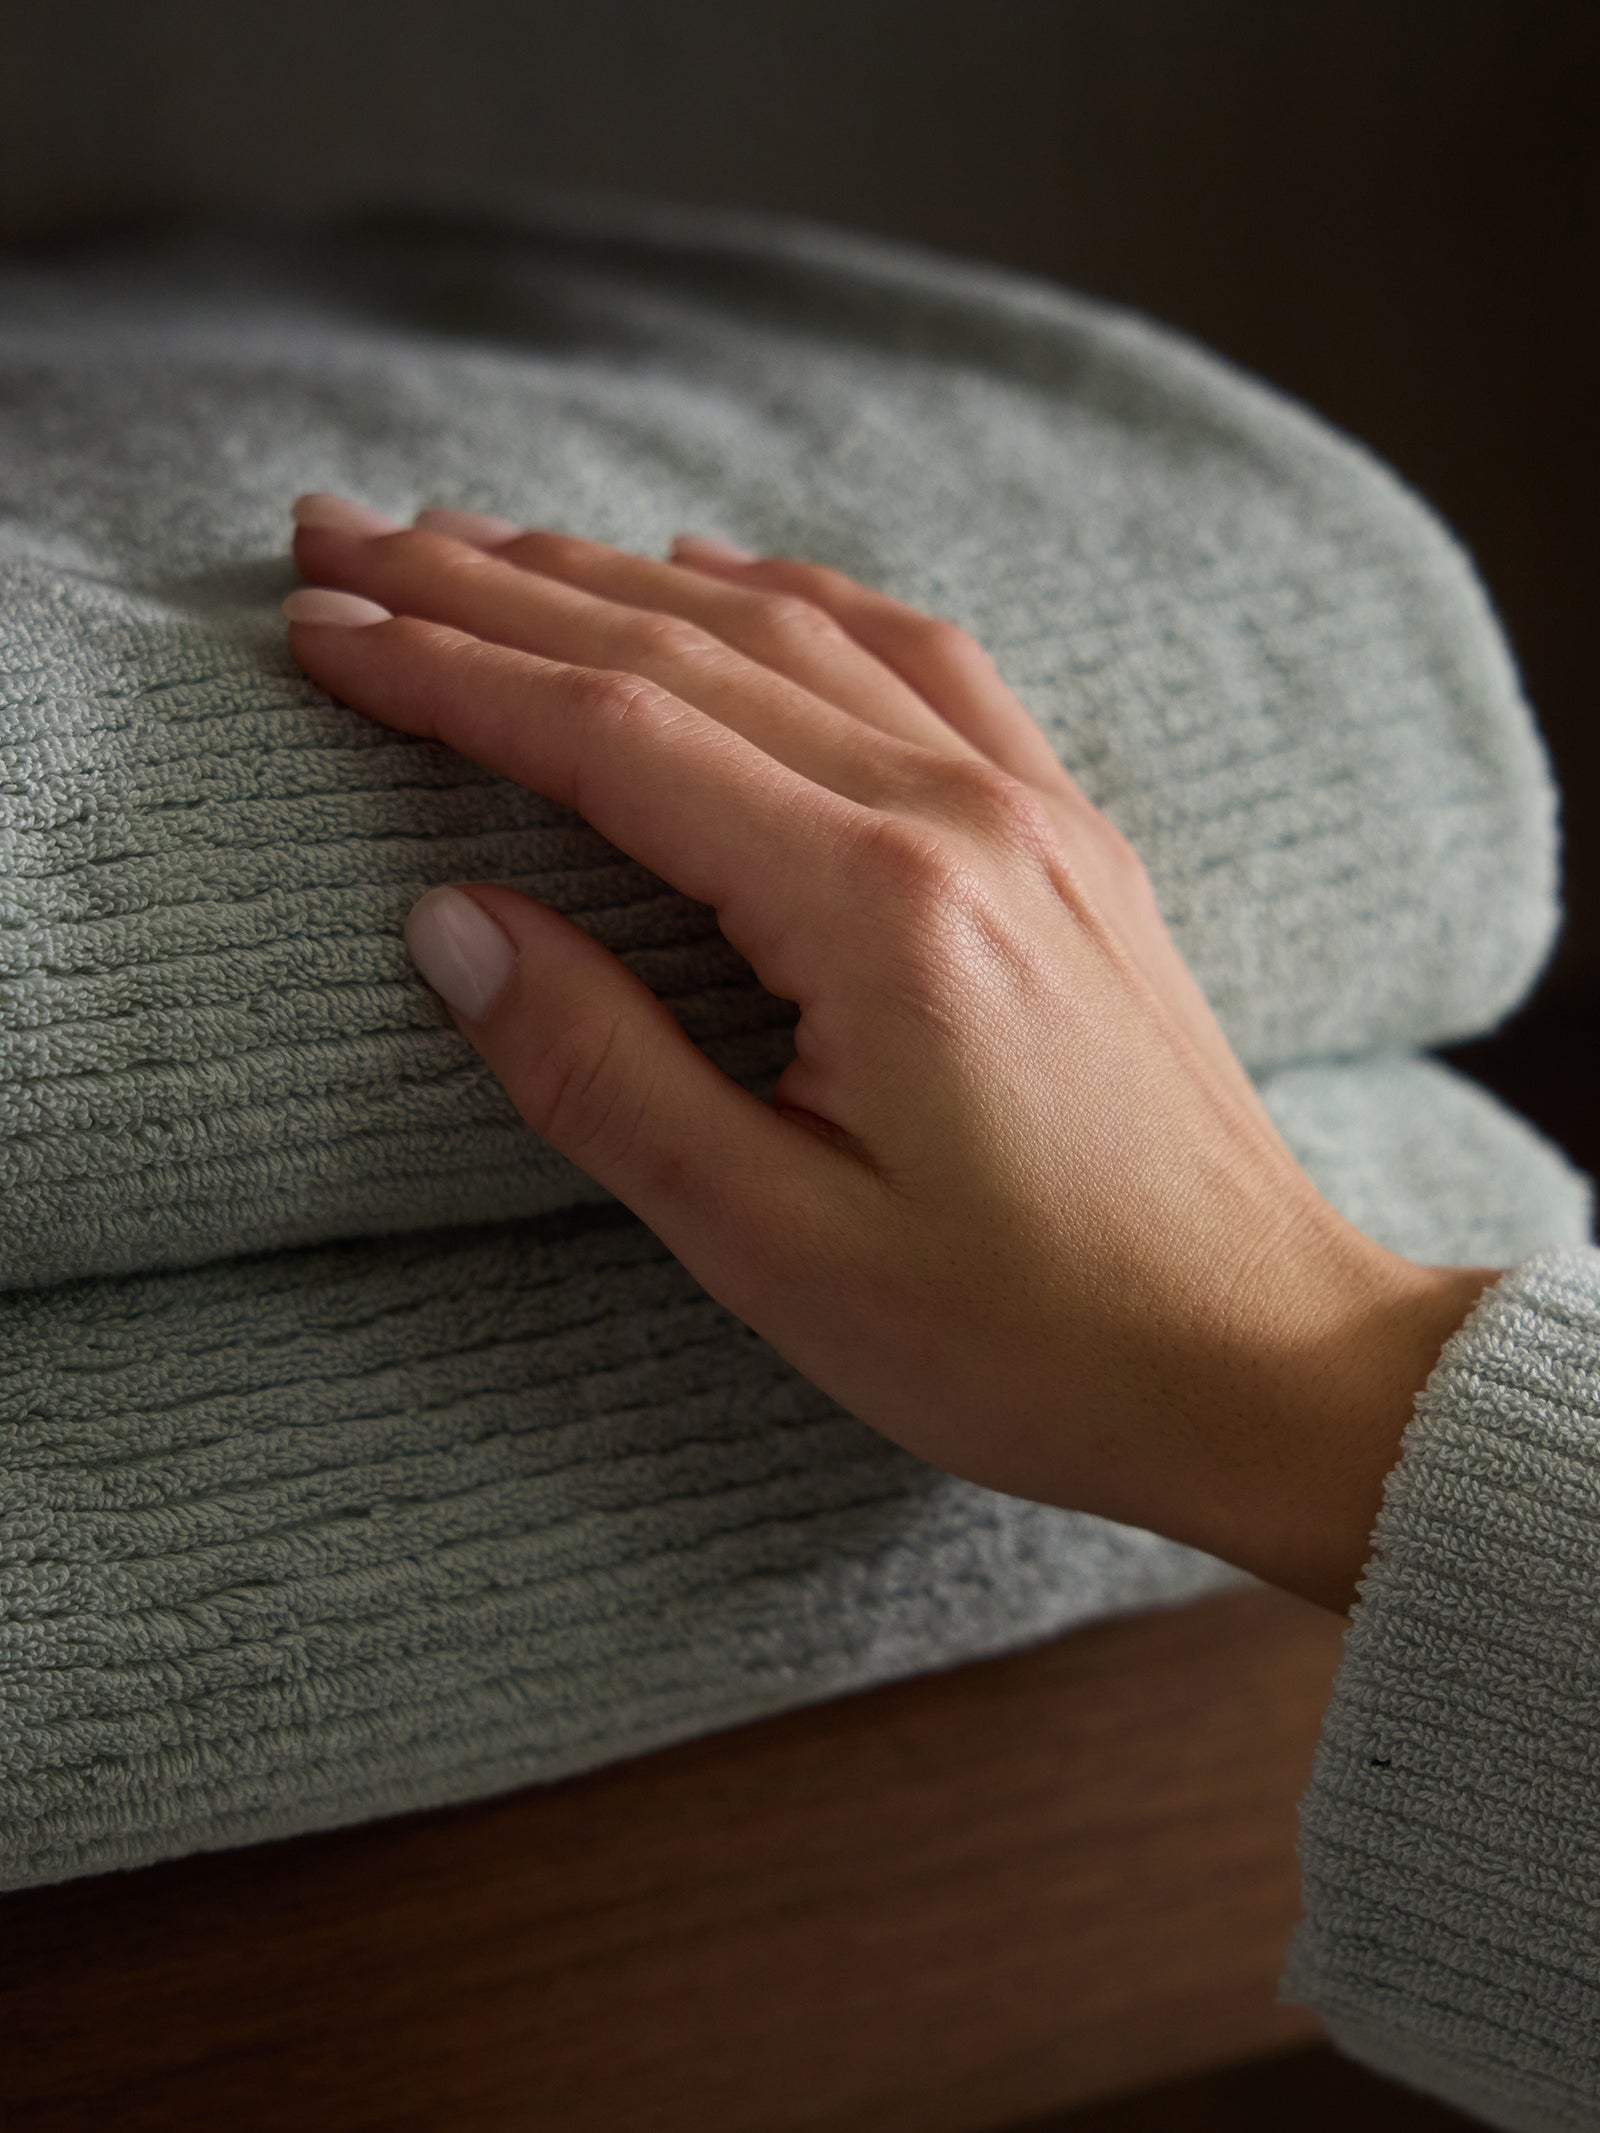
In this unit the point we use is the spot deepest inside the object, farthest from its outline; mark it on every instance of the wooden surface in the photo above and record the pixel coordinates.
(1313, 2089)
(949, 1905)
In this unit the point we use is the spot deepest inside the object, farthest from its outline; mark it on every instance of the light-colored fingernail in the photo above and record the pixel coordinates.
(336, 514)
(699, 547)
(480, 529)
(345, 611)
(460, 950)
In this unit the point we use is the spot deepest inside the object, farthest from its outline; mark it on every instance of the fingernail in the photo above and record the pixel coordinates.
(479, 528)
(336, 514)
(460, 951)
(320, 603)
(699, 547)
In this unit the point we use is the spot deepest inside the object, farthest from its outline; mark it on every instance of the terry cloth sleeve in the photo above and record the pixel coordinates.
(1450, 1836)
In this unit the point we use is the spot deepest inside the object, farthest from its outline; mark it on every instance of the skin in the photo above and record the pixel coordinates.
(1016, 1204)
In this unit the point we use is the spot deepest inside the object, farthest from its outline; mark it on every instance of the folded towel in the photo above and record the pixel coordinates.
(295, 1540)
(1265, 659)
(409, 1513)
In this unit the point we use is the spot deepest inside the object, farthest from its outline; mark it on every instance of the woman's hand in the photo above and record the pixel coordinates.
(1016, 1204)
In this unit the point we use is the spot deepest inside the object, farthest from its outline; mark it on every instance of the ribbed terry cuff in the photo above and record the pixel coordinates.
(1450, 1836)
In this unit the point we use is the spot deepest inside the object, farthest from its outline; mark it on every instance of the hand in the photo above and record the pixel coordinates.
(1015, 1203)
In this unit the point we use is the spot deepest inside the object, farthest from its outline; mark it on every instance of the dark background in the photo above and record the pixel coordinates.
(1386, 206)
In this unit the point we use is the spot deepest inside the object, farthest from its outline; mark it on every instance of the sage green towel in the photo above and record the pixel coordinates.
(299, 1539)
(312, 1508)
(1265, 659)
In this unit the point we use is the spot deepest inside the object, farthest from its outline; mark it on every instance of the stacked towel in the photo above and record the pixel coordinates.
(1263, 658)
(357, 1452)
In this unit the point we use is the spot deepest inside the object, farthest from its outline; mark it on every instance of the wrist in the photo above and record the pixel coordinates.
(1339, 1435)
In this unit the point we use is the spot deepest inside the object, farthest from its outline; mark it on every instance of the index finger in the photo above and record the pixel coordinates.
(695, 802)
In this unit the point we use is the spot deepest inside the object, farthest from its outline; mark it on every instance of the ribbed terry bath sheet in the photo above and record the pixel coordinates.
(1264, 658)
(355, 1452)
(302, 1538)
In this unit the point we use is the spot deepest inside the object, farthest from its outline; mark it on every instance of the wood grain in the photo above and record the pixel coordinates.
(939, 1907)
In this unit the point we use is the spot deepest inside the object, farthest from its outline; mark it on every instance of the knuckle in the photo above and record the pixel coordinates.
(614, 712)
(1120, 855)
(538, 545)
(983, 797)
(948, 638)
(417, 550)
(813, 584)
(904, 850)
(582, 1098)
(612, 697)
(788, 620)
(950, 646)
(1108, 863)
(666, 637)
(908, 863)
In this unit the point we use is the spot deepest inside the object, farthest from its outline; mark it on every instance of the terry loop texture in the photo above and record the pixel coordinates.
(294, 1538)
(1449, 1839)
(298, 1539)
(1265, 659)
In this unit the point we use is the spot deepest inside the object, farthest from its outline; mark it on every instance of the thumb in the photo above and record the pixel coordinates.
(604, 1072)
